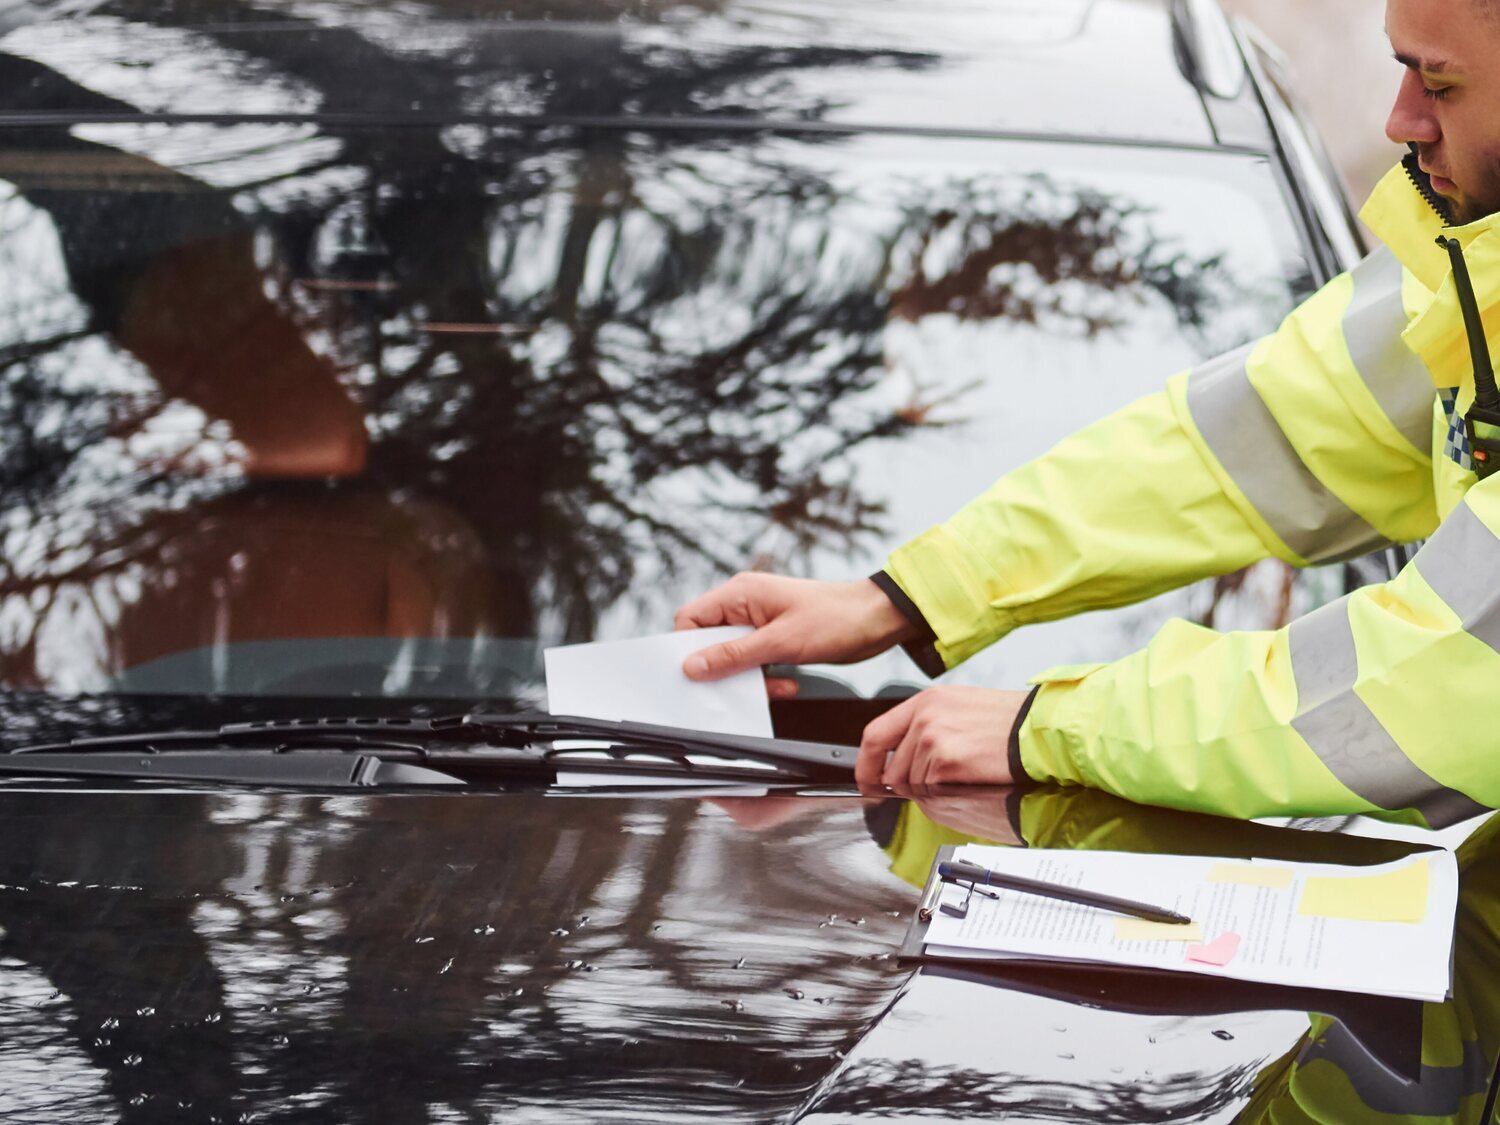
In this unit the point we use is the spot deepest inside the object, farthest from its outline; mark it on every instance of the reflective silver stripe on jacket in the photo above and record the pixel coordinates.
(1461, 563)
(1346, 736)
(1245, 438)
(1395, 375)
(1440, 1091)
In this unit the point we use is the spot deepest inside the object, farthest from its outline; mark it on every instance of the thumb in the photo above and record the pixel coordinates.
(764, 646)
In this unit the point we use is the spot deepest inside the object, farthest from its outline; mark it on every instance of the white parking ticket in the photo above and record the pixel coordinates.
(641, 681)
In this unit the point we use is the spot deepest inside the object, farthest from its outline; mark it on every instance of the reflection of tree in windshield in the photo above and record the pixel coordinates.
(592, 356)
(1069, 259)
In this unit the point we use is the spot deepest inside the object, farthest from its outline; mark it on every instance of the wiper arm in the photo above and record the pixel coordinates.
(451, 749)
(530, 729)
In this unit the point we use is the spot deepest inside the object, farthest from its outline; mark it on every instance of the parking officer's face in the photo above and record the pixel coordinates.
(1449, 100)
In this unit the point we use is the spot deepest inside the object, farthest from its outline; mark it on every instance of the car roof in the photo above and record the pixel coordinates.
(1117, 71)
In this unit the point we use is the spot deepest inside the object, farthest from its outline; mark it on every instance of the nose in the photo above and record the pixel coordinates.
(1412, 118)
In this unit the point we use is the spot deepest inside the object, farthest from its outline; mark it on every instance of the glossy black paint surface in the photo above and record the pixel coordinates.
(181, 956)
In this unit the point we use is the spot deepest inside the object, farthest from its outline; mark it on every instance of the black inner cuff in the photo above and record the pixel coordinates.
(1013, 750)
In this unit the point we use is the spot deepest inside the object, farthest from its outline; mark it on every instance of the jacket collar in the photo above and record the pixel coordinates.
(1404, 221)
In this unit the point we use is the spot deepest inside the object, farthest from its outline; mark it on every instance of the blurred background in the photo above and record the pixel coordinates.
(1343, 67)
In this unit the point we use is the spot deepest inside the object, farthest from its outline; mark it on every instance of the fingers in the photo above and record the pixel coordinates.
(701, 613)
(882, 735)
(764, 646)
(904, 760)
(944, 735)
(736, 602)
(779, 687)
(917, 771)
(740, 601)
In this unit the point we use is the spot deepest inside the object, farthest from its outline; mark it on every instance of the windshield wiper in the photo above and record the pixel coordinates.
(342, 752)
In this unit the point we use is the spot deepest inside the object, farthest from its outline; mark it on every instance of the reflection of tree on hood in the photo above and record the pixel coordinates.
(601, 349)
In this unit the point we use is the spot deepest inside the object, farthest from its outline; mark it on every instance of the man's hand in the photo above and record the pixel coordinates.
(946, 735)
(797, 621)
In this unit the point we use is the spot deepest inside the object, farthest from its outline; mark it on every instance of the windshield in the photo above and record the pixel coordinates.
(291, 410)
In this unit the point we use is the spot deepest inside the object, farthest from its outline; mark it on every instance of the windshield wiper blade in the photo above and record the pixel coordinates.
(474, 743)
(319, 769)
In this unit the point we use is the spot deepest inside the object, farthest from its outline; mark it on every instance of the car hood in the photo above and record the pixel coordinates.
(541, 957)
(372, 958)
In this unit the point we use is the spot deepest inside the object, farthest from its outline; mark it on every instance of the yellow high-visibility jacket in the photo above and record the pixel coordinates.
(1340, 432)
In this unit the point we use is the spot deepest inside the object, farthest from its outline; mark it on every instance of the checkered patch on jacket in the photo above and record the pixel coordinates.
(1456, 445)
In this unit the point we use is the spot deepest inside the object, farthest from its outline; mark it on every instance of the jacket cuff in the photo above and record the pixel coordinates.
(1018, 774)
(923, 650)
(882, 819)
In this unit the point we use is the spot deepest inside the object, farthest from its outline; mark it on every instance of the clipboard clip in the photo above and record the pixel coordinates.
(959, 910)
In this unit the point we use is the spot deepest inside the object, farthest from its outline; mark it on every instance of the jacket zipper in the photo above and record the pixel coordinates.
(1423, 183)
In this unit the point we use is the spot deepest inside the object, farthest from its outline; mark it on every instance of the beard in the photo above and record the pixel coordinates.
(1471, 206)
(1466, 211)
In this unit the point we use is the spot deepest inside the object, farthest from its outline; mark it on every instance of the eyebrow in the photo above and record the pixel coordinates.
(1429, 66)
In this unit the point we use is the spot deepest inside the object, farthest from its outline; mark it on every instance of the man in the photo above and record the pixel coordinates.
(1342, 431)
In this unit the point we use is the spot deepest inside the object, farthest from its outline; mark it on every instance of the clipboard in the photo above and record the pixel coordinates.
(1388, 1028)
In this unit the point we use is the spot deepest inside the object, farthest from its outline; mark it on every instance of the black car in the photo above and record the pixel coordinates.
(352, 353)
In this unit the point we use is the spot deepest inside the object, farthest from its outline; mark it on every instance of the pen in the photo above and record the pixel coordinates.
(965, 872)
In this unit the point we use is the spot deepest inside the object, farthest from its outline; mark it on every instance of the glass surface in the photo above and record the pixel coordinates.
(1071, 67)
(294, 410)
